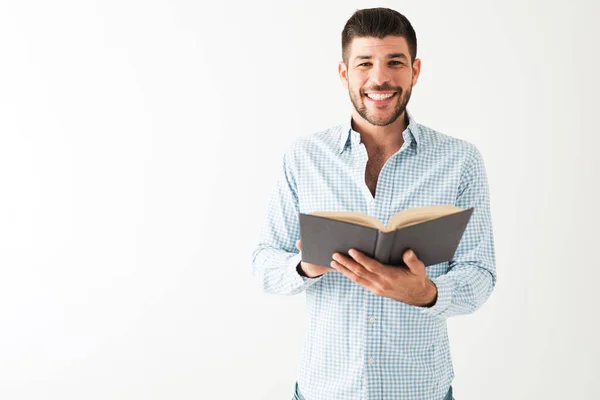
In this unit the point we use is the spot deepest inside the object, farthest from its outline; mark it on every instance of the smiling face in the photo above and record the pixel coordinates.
(379, 76)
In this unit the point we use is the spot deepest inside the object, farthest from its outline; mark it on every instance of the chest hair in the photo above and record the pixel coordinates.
(377, 159)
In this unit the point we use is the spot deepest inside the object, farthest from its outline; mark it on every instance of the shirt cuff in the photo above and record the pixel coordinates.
(299, 279)
(444, 296)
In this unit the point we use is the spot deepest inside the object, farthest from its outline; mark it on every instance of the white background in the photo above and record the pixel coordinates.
(139, 142)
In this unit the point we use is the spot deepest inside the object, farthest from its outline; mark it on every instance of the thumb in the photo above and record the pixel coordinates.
(299, 245)
(411, 261)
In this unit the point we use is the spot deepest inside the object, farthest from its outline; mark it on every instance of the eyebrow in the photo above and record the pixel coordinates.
(389, 56)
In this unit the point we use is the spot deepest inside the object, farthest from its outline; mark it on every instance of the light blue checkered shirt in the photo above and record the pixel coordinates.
(360, 345)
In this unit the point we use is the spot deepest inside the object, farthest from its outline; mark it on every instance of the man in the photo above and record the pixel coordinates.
(377, 331)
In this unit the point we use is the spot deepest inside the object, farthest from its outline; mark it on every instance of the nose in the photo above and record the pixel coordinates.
(380, 74)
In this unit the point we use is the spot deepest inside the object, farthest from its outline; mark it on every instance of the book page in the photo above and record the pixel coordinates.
(417, 215)
(352, 217)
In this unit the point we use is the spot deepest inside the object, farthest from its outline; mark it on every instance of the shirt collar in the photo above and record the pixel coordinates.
(412, 133)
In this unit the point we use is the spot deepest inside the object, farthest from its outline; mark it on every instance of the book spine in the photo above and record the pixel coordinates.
(383, 246)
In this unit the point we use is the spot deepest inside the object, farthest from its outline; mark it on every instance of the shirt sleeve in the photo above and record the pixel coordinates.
(471, 275)
(276, 257)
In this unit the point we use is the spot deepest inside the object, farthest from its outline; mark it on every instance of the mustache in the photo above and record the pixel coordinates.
(381, 88)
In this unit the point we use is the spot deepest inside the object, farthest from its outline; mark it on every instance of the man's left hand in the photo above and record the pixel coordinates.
(406, 284)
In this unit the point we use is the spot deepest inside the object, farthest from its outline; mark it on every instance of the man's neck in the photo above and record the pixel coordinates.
(387, 139)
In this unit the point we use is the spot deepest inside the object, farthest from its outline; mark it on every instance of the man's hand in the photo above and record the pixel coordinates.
(408, 285)
(311, 270)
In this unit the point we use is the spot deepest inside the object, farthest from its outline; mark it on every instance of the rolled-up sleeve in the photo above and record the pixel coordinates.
(275, 258)
(471, 275)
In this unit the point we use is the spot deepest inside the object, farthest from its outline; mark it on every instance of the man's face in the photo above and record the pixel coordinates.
(379, 77)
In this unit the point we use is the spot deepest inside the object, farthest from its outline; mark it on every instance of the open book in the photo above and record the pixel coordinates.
(433, 233)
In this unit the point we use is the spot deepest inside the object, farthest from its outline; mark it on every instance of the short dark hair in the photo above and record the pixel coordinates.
(379, 23)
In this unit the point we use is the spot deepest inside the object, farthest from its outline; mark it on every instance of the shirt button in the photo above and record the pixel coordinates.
(372, 319)
(371, 360)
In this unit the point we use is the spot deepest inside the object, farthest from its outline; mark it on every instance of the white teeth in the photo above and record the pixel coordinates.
(378, 96)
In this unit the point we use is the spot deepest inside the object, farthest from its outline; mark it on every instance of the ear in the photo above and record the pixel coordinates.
(416, 70)
(343, 71)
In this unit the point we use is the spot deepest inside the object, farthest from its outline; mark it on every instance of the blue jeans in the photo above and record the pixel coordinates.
(298, 395)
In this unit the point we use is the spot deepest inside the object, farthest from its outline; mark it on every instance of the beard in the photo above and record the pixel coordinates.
(358, 102)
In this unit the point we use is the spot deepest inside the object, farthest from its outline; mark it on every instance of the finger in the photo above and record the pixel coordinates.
(298, 245)
(355, 267)
(351, 275)
(369, 263)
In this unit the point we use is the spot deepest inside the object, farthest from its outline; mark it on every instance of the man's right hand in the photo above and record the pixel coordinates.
(312, 270)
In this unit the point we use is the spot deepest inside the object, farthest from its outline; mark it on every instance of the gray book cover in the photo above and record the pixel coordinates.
(434, 241)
